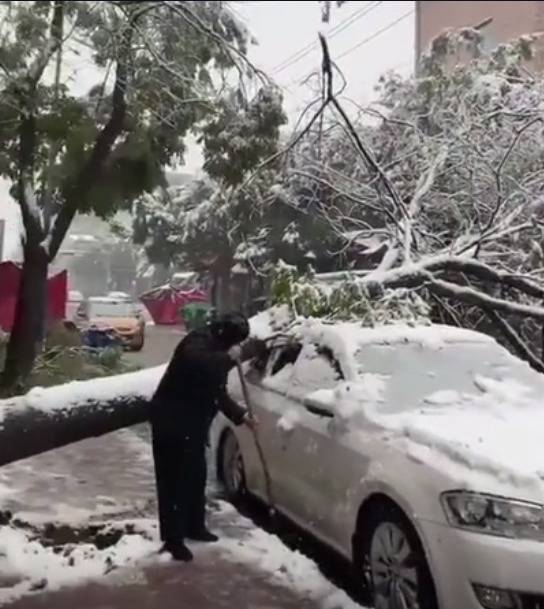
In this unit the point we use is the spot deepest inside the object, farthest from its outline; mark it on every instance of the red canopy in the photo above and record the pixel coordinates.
(57, 290)
(165, 303)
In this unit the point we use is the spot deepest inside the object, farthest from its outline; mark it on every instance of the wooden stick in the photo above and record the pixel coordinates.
(266, 471)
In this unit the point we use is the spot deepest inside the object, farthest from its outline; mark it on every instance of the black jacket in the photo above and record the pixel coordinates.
(193, 388)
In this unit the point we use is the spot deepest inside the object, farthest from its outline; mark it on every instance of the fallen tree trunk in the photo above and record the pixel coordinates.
(44, 419)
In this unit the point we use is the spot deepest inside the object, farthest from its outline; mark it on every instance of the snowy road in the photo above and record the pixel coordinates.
(159, 345)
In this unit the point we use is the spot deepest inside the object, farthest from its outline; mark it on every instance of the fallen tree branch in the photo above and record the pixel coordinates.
(515, 340)
(486, 273)
(45, 419)
(480, 299)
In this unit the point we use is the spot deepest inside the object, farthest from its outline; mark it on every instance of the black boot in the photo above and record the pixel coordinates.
(178, 550)
(202, 535)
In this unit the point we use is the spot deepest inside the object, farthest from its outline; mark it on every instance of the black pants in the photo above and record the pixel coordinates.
(180, 472)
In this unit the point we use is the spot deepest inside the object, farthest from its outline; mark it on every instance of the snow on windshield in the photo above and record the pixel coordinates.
(441, 377)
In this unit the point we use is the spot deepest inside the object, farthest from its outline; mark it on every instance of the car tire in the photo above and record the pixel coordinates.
(231, 467)
(139, 346)
(395, 568)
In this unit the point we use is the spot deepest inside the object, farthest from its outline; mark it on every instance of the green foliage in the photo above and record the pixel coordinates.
(175, 48)
(241, 134)
(349, 300)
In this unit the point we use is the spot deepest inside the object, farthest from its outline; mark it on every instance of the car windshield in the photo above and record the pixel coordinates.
(414, 376)
(111, 309)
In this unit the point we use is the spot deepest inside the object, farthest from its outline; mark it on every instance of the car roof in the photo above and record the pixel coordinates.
(387, 334)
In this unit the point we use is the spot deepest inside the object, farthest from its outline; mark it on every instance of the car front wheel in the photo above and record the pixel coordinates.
(231, 467)
(396, 570)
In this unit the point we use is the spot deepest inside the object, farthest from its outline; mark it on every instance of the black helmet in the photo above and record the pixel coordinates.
(230, 329)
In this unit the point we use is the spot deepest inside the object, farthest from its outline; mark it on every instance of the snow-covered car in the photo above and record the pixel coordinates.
(415, 452)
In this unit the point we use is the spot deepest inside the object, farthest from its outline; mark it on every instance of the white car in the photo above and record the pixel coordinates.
(416, 453)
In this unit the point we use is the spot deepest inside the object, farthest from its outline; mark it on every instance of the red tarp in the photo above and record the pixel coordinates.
(165, 303)
(57, 292)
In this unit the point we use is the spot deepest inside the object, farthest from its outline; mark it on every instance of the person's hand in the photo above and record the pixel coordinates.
(253, 348)
(235, 353)
(251, 421)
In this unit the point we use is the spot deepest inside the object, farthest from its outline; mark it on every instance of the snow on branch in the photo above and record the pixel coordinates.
(449, 170)
(44, 419)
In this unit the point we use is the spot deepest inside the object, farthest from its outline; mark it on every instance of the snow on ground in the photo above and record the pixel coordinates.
(261, 550)
(39, 567)
(33, 565)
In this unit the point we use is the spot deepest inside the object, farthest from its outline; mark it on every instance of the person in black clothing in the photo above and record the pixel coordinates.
(191, 392)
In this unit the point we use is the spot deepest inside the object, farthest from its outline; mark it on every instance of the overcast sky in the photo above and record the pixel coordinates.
(366, 38)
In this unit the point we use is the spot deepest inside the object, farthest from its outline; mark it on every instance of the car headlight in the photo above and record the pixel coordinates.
(494, 515)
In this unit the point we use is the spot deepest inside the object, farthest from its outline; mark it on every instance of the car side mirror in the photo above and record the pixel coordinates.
(318, 408)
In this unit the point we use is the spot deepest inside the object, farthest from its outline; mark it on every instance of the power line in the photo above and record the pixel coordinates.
(375, 35)
(296, 57)
(365, 40)
(301, 53)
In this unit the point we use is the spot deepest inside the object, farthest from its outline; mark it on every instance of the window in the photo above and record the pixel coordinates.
(285, 356)
(315, 369)
(111, 308)
(280, 367)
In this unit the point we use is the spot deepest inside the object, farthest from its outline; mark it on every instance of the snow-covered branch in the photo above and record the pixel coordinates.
(44, 419)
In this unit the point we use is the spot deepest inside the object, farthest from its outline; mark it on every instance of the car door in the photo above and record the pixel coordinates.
(308, 439)
(268, 381)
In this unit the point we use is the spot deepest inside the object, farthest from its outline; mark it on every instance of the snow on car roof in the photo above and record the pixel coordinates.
(344, 339)
(483, 426)
(278, 320)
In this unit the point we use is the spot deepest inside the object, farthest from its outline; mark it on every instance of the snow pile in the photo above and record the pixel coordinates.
(443, 397)
(37, 567)
(289, 420)
(288, 568)
(272, 321)
(281, 381)
(351, 398)
(134, 385)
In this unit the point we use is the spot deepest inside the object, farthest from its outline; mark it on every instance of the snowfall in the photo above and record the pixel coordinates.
(464, 422)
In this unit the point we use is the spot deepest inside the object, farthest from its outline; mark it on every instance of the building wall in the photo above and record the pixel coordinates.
(508, 19)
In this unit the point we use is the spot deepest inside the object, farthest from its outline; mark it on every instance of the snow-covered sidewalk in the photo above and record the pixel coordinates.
(83, 534)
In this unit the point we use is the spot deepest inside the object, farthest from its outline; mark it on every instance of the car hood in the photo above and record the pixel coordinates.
(506, 445)
(491, 439)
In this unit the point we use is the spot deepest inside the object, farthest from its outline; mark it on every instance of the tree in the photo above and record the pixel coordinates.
(155, 64)
(450, 167)
(204, 224)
